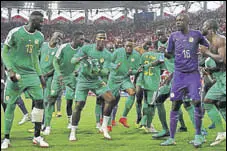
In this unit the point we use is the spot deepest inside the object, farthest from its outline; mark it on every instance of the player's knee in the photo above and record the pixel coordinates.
(79, 106)
(38, 104)
(176, 105)
(131, 92)
(109, 98)
(37, 114)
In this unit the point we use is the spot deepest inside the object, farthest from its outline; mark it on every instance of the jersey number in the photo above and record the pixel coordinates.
(148, 73)
(187, 54)
(29, 48)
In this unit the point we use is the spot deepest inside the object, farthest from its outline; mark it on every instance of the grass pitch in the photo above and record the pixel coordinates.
(124, 139)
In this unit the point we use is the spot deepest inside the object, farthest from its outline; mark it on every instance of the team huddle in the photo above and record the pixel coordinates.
(192, 65)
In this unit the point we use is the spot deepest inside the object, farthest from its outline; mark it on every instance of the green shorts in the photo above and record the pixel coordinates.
(70, 93)
(56, 87)
(120, 85)
(98, 87)
(149, 96)
(29, 83)
(218, 90)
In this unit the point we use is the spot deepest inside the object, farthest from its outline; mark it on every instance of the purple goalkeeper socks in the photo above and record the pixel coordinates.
(198, 119)
(173, 123)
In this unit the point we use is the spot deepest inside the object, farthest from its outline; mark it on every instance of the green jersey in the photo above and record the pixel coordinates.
(128, 62)
(47, 56)
(96, 66)
(62, 60)
(151, 75)
(22, 55)
(162, 45)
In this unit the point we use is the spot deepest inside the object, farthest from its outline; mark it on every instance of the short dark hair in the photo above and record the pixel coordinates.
(213, 24)
(76, 34)
(37, 13)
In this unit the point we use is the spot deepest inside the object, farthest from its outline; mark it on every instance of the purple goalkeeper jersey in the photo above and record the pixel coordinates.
(185, 48)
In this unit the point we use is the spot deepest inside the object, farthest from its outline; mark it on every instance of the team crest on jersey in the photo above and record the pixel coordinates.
(52, 53)
(172, 95)
(36, 41)
(191, 39)
(102, 60)
(132, 59)
(7, 98)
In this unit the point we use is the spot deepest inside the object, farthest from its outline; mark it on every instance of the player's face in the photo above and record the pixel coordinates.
(36, 21)
(57, 38)
(181, 22)
(128, 47)
(100, 42)
(110, 47)
(205, 29)
(162, 38)
(80, 41)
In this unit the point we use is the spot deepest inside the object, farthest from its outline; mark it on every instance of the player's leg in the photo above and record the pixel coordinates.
(139, 98)
(221, 105)
(110, 102)
(162, 115)
(54, 91)
(46, 94)
(183, 127)
(70, 93)
(80, 97)
(205, 89)
(2, 97)
(36, 93)
(129, 88)
(98, 111)
(114, 111)
(151, 109)
(173, 122)
(128, 105)
(11, 92)
(58, 103)
(21, 105)
(194, 87)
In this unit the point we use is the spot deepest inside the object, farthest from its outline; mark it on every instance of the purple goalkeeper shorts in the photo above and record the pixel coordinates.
(185, 83)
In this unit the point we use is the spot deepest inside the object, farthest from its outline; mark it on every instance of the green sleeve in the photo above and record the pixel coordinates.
(9, 42)
(5, 57)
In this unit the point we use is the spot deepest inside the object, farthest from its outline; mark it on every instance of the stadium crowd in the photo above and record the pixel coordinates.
(126, 30)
